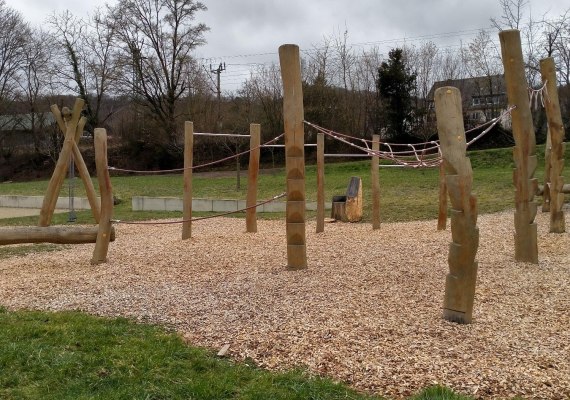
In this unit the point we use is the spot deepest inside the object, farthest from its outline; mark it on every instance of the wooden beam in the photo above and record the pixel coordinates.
(50, 234)
(293, 119)
(462, 277)
(320, 182)
(187, 193)
(252, 175)
(106, 190)
(526, 245)
(556, 130)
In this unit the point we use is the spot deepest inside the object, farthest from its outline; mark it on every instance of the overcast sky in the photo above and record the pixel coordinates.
(250, 31)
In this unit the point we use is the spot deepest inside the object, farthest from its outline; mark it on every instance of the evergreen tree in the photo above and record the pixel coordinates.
(395, 85)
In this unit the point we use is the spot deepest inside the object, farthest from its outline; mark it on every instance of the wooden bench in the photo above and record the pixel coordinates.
(348, 208)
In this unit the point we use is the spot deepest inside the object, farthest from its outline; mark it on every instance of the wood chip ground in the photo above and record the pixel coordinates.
(367, 311)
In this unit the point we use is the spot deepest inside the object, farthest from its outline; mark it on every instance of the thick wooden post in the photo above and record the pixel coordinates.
(293, 116)
(526, 247)
(462, 277)
(187, 194)
(556, 130)
(320, 182)
(375, 177)
(442, 214)
(58, 176)
(252, 174)
(546, 186)
(106, 192)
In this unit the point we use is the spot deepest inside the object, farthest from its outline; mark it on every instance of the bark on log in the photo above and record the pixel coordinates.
(50, 234)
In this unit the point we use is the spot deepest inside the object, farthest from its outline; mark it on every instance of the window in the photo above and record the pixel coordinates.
(476, 101)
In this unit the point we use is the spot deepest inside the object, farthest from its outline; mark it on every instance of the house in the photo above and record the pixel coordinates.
(484, 98)
(20, 130)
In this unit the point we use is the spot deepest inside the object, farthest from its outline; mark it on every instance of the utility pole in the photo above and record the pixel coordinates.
(218, 71)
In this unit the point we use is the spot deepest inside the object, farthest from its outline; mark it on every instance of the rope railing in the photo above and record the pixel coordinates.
(118, 221)
(429, 156)
(166, 171)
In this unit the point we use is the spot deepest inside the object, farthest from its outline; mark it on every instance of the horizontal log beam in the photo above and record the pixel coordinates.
(565, 189)
(50, 234)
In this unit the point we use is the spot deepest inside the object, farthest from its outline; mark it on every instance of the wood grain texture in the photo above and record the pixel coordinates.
(375, 177)
(50, 234)
(252, 175)
(461, 279)
(187, 180)
(524, 152)
(320, 183)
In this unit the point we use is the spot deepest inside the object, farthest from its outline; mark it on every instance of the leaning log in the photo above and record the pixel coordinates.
(565, 189)
(50, 234)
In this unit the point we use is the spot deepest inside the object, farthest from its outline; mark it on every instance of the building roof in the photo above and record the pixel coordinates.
(23, 122)
(473, 87)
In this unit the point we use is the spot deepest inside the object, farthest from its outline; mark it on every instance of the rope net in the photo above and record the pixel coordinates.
(417, 155)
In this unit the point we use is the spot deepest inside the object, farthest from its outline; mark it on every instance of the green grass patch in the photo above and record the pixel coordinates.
(70, 355)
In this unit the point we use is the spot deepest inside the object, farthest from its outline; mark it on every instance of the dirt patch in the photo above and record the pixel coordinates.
(367, 311)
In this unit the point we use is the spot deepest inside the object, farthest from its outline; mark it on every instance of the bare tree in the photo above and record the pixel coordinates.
(157, 38)
(513, 13)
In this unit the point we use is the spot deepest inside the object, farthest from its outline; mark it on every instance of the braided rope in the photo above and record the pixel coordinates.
(163, 171)
(118, 221)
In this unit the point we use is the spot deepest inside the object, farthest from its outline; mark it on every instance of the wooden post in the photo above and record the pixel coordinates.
(462, 277)
(79, 162)
(547, 158)
(106, 191)
(556, 130)
(51, 234)
(526, 247)
(375, 176)
(187, 195)
(320, 182)
(58, 176)
(252, 174)
(293, 118)
(442, 214)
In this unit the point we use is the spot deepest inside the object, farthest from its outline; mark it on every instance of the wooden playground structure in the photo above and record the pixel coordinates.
(456, 177)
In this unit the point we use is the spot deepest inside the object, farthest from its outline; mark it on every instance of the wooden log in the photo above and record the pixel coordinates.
(556, 130)
(54, 185)
(375, 177)
(106, 190)
(462, 277)
(547, 156)
(293, 119)
(187, 177)
(526, 245)
(338, 209)
(320, 182)
(252, 175)
(442, 213)
(50, 234)
(354, 199)
(565, 189)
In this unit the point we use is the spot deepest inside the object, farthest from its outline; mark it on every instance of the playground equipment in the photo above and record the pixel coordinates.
(71, 124)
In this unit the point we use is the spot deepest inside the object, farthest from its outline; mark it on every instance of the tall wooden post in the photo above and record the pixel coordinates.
(293, 116)
(106, 192)
(556, 130)
(546, 186)
(375, 177)
(526, 247)
(252, 174)
(187, 194)
(442, 213)
(320, 182)
(462, 277)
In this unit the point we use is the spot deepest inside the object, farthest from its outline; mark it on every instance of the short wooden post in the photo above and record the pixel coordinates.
(58, 176)
(293, 118)
(442, 214)
(106, 192)
(462, 277)
(320, 182)
(556, 130)
(187, 194)
(252, 174)
(526, 246)
(375, 177)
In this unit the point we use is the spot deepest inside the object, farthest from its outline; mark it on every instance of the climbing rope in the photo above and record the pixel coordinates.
(118, 221)
(164, 171)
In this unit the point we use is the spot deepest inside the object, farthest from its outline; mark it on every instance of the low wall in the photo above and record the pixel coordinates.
(143, 203)
(79, 203)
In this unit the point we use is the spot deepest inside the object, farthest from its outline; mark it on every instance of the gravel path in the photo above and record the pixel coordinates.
(367, 311)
